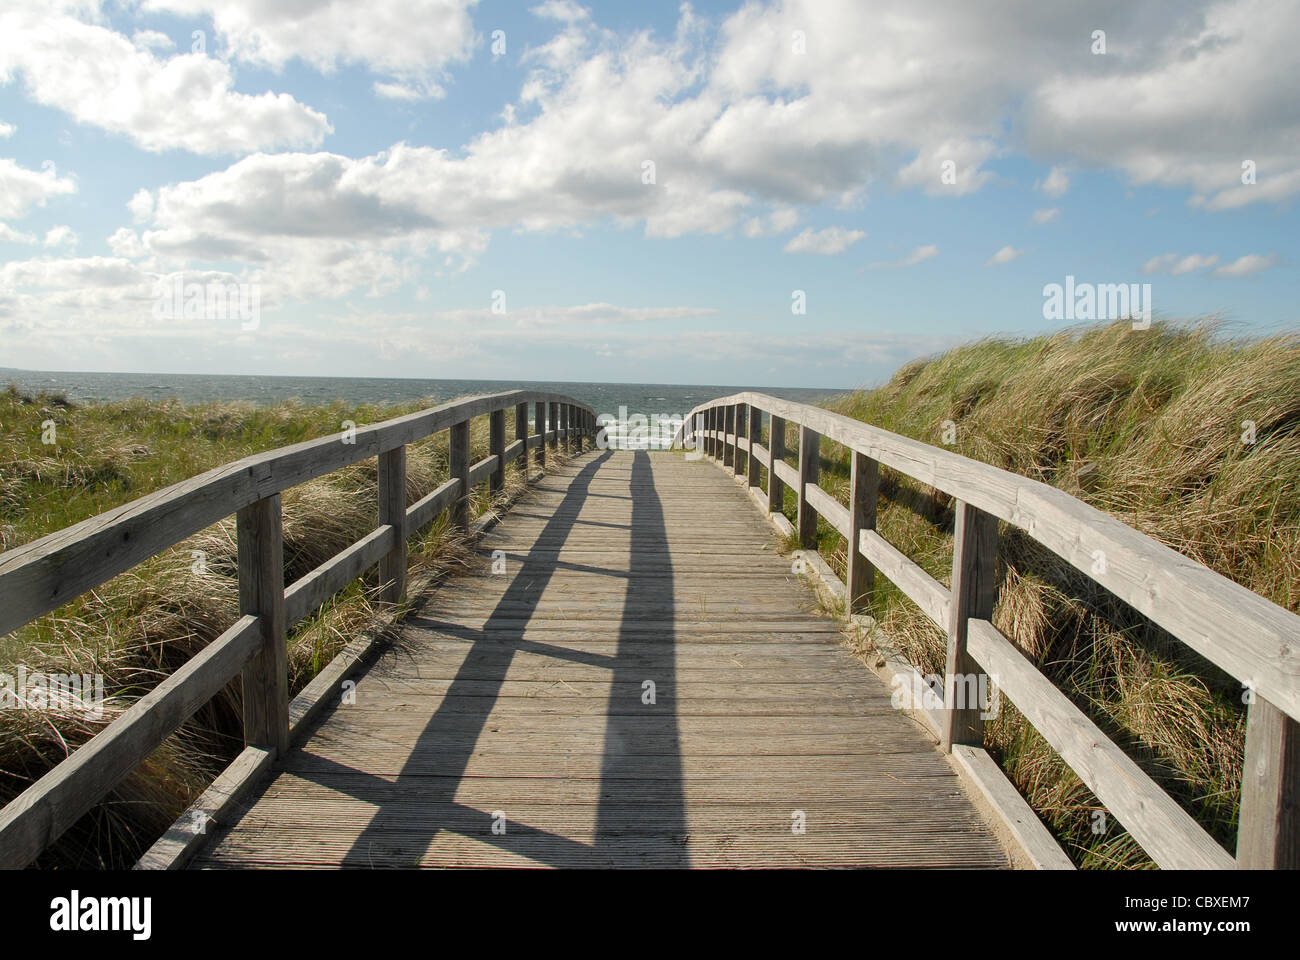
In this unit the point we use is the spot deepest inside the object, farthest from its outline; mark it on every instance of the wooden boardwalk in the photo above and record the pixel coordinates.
(510, 725)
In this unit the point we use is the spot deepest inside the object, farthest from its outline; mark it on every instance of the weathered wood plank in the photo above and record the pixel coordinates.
(1165, 831)
(864, 494)
(261, 595)
(309, 592)
(392, 514)
(974, 593)
(40, 814)
(1268, 837)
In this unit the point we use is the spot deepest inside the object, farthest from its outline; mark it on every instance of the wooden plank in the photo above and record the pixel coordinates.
(834, 512)
(482, 470)
(458, 461)
(923, 590)
(39, 815)
(309, 592)
(1005, 802)
(809, 471)
(392, 514)
(184, 838)
(421, 513)
(261, 595)
(864, 495)
(787, 475)
(1268, 837)
(1254, 640)
(1168, 834)
(974, 593)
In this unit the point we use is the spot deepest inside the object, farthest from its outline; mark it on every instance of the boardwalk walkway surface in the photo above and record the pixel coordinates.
(510, 726)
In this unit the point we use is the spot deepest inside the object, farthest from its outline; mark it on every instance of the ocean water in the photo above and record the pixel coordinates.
(646, 399)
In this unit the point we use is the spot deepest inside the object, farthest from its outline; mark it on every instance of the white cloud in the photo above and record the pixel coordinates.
(562, 10)
(957, 160)
(152, 40)
(61, 236)
(187, 102)
(778, 221)
(1046, 215)
(21, 189)
(1056, 183)
(409, 41)
(827, 242)
(6, 130)
(1194, 96)
(1005, 255)
(125, 243)
(1244, 266)
(919, 255)
(1175, 265)
(9, 235)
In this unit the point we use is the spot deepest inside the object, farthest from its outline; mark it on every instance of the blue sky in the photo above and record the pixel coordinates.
(380, 177)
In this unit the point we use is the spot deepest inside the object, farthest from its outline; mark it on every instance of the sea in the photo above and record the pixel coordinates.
(619, 400)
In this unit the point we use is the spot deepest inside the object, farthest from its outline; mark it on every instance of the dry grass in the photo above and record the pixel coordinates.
(1148, 426)
(141, 626)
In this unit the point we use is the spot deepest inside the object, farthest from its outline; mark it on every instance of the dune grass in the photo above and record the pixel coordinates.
(1182, 432)
(141, 626)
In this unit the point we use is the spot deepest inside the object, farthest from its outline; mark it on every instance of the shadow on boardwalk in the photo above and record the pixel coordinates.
(452, 731)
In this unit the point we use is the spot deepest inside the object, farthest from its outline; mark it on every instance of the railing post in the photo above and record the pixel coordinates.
(809, 471)
(392, 511)
(565, 445)
(755, 434)
(497, 448)
(973, 594)
(864, 492)
(742, 422)
(539, 426)
(458, 458)
(729, 447)
(553, 424)
(521, 434)
(715, 450)
(776, 450)
(260, 547)
(1268, 831)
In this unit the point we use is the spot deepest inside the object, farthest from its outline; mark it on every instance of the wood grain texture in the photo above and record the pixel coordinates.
(1165, 831)
(261, 595)
(973, 594)
(1269, 834)
(518, 700)
(40, 814)
(392, 513)
(809, 471)
(864, 496)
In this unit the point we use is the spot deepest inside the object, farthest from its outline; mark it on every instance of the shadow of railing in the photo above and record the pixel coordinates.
(640, 816)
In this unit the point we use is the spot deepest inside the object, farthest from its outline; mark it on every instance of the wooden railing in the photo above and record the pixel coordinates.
(1255, 641)
(41, 576)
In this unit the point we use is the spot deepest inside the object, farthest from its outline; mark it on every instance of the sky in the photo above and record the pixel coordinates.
(800, 193)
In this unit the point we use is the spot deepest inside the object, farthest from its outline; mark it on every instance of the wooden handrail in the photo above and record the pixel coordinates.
(1251, 638)
(43, 575)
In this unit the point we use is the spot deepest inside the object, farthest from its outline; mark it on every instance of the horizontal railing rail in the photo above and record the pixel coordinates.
(41, 576)
(1246, 635)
